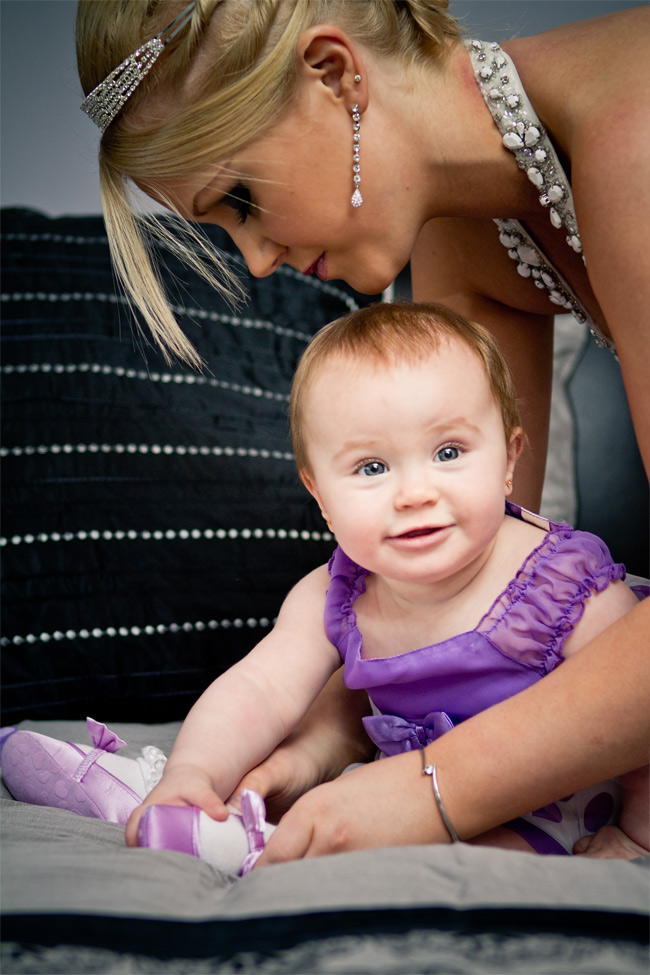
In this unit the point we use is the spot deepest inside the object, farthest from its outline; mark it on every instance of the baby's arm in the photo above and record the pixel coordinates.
(601, 610)
(250, 709)
(632, 836)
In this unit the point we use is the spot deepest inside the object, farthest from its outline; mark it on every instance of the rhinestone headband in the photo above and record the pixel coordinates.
(105, 101)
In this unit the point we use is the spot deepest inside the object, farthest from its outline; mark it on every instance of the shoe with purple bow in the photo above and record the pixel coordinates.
(94, 781)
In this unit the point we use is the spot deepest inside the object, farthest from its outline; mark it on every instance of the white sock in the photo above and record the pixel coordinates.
(141, 774)
(225, 845)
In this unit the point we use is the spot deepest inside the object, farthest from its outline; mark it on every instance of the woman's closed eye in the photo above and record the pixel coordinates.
(370, 468)
(240, 200)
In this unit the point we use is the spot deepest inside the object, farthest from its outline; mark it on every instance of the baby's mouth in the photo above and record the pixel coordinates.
(419, 532)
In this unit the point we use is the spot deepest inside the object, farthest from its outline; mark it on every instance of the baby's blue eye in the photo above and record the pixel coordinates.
(448, 453)
(373, 467)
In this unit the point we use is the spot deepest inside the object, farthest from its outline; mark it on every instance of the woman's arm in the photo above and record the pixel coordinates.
(586, 721)
(612, 195)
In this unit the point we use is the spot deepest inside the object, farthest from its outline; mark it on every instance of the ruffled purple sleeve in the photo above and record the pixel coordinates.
(346, 584)
(535, 615)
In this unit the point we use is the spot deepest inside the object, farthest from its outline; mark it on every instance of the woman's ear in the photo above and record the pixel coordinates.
(514, 449)
(326, 54)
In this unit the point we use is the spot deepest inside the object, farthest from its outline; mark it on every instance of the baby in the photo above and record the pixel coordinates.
(441, 598)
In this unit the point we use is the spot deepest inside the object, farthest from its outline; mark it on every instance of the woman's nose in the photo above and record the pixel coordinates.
(262, 255)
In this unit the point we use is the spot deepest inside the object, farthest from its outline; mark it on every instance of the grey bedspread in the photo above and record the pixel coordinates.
(75, 899)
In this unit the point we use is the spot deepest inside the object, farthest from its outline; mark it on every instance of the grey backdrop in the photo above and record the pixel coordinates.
(49, 147)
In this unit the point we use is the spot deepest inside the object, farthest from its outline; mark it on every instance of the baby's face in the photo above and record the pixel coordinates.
(409, 461)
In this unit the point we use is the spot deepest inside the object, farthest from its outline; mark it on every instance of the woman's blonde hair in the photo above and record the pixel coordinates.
(396, 333)
(228, 77)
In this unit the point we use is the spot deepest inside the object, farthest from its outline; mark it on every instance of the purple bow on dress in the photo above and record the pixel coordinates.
(393, 734)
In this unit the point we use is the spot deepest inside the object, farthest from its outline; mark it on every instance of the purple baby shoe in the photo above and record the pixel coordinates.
(46, 772)
(233, 846)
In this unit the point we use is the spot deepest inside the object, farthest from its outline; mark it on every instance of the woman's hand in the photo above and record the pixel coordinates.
(282, 778)
(385, 803)
(181, 785)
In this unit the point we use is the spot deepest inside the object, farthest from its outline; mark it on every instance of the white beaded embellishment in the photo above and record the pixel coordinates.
(524, 135)
(357, 199)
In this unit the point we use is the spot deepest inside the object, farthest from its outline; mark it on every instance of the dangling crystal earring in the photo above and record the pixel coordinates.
(357, 199)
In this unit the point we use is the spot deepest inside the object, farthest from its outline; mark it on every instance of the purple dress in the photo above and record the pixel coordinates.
(419, 695)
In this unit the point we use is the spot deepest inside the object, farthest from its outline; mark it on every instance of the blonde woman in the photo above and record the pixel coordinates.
(346, 139)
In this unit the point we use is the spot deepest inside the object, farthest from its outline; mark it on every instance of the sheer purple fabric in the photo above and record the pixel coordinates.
(519, 640)
(421, 694)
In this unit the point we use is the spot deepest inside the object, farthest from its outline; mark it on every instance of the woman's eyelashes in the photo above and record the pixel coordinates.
(241, 201)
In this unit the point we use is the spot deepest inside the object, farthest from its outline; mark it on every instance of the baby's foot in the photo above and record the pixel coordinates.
(611, 843)
(90, 781)
(233, 846)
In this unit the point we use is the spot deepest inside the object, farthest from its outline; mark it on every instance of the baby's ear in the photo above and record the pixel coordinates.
(309, 482)
(515, 447)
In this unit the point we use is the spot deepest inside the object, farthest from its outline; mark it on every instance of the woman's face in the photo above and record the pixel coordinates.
(285, 198)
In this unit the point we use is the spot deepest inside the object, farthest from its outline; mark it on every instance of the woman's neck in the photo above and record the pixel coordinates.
(460, 156)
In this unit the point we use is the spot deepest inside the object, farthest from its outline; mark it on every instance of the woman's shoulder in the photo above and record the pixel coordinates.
(573, 72)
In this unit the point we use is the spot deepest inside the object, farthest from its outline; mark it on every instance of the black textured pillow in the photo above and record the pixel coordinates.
(153, 519)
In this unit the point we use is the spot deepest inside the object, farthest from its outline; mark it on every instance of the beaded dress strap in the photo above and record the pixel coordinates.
(524, 135)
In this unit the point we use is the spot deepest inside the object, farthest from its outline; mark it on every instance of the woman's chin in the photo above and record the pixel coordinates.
(370, 283)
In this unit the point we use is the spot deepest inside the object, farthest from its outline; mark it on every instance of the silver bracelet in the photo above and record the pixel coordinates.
(432, 771)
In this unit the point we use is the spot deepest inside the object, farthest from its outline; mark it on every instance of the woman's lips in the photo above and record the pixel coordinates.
(319, 267)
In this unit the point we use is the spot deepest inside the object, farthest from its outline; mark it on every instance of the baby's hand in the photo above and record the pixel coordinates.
(181, 785)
